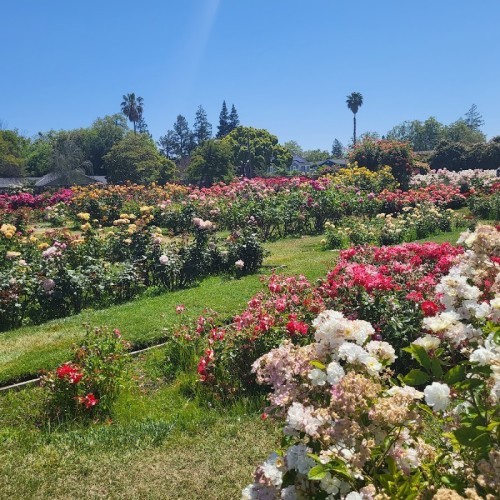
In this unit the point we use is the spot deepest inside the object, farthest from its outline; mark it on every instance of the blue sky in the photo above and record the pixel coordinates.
(287, 65)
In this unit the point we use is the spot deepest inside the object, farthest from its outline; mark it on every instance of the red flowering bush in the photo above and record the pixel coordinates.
(284, 311)
(442, 195)
(87, 385)
(392, 287)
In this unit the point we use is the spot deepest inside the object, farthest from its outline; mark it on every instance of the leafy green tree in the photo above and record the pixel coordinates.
(316, 155)
(132, 108)
(459, 131)
(211, 162)
(254, 151)
(39, 158)
(371, 135)
(423, 136)
(202, 129)
(13, 152)
(473, 118)
(68, 161)
(338, 150)
(354, 101)
(294, 148)
(223, 128)
(450, 155)
(101, 137)
(234, 119)
(136, 159)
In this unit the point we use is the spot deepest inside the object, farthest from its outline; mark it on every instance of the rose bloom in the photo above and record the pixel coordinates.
(164, 260)
(437, 396)
(239, 264)
(89, 401)
(429, 308)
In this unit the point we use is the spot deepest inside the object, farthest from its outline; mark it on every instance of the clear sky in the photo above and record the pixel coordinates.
(287, 65)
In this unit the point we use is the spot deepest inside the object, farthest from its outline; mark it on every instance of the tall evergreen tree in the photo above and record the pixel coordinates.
(167, 144)
(234, 119)
(202, 129)
(223, 128)
(473, 118)
(184, 142)
(337, 149)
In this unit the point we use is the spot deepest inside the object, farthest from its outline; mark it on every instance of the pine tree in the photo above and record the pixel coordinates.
(184, 137)
(337, 149)
(202, 129)
(223, 128)
(473, 118)
(234, 119)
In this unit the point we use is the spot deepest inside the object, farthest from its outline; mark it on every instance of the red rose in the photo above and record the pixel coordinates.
(429, 308)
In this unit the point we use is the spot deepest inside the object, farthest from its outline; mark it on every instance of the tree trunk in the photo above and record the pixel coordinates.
(354, 136)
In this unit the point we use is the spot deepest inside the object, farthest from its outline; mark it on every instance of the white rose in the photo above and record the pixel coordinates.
(437, 396)
(335, 373)
(317, 376)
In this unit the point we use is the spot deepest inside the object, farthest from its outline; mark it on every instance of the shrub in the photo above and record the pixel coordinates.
(375, 154)
(87, 386)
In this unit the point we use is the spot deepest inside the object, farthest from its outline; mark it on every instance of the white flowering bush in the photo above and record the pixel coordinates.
(472, 178)
(355, 429)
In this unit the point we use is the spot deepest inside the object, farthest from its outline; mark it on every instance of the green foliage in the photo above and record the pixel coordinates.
(88, 385)
(316, 155)
(234, 119)
(423, 136)
(136, 159)
(376, 154)
(211, 162)
(223, 127)
(39, 158)
(132, 108)
(337, 149)
(293, 147)
(255, 150)
(354, 101)
(13, 149)
(458, 156)
(202, 129)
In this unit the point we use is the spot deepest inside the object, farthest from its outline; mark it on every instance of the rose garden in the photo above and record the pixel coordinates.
(328, 337)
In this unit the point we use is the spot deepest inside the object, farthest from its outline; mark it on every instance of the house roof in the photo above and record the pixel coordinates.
(6, 182)
(74, 177)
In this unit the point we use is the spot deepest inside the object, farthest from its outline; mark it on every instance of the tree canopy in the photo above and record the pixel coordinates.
(211, 162)
(136, 159)
(254, 151)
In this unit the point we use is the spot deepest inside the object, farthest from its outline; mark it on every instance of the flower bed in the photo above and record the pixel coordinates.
(357, 428)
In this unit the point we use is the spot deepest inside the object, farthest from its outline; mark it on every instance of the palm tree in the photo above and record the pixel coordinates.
(132, 108)
(354, 102)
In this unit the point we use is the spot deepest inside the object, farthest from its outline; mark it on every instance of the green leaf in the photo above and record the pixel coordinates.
(437, 371)
(317, 473)
(472, 437)
(416, 377)
(455, 374)
(318, 364)
(420, 354)
(471, 383)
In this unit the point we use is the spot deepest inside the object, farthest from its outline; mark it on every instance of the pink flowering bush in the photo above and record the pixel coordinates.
(284, 311)
(353, 430)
